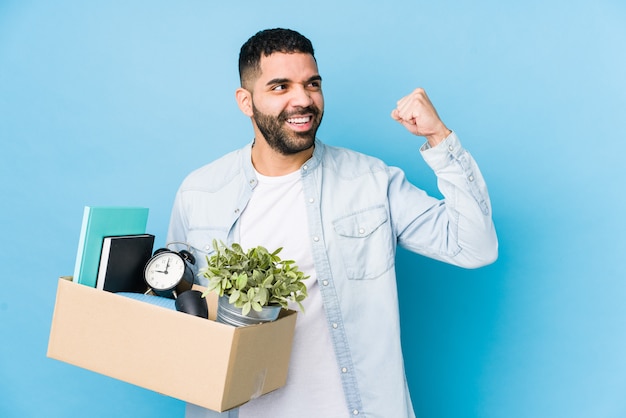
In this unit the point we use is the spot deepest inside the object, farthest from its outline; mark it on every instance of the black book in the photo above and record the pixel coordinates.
(122, 262)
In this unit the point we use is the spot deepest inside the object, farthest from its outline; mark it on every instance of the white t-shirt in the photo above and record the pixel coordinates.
(276, 217)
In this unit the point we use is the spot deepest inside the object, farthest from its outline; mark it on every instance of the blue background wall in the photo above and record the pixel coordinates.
(112, 103)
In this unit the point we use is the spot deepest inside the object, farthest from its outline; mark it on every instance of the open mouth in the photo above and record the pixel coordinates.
(299, 120)
(300, 123)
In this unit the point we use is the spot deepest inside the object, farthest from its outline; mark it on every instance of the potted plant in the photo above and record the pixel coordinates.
(252, 285)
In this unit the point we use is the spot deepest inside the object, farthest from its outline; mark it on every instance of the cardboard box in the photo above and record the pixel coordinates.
(209, 364)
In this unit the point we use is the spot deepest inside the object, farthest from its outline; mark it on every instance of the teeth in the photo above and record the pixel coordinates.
(299, 120)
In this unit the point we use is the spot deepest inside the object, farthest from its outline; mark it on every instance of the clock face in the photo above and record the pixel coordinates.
(164, 271)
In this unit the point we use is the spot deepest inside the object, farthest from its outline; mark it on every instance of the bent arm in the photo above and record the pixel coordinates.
(457, 229)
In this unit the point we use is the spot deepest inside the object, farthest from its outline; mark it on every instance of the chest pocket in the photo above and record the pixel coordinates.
(365, 241)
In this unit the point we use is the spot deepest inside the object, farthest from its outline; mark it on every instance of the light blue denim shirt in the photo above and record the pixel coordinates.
(358, 210)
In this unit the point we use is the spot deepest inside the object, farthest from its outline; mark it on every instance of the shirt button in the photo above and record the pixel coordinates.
(325, 282)
(316, 239)
(471, 178)
(305, 167)
(361, 231)
(335, 325)
(207, 247)
(355, 412)
(344, 370)
(237, 210)
(311, 200)
(450, 148)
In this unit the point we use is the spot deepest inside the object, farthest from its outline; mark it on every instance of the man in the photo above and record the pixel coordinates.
(340, 215)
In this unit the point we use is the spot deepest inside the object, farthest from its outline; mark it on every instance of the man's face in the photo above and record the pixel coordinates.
(287, 102)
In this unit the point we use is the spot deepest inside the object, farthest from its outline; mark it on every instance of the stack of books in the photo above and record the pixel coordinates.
(113, 248)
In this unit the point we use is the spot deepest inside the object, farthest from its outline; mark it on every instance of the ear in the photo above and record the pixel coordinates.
(244, 101)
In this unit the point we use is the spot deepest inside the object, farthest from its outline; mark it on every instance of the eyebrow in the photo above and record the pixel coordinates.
(316, 77)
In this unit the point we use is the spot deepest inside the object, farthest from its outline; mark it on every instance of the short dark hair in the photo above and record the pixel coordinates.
(265, 43)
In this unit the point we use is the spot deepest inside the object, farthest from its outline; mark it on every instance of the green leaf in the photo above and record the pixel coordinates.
(234, 296)
(300, 306)
(245, 308)
(268, 281)
(241, 281)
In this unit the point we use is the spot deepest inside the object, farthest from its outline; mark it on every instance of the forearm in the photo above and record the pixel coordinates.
(467, 202)
(457, 229)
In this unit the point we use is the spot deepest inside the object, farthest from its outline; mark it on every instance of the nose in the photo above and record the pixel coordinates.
(301, 97)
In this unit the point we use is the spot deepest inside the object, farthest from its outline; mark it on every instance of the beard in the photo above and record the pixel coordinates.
(279, 137)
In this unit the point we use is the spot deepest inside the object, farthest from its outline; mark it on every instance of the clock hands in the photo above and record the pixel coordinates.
(167, 274)
(167, 266)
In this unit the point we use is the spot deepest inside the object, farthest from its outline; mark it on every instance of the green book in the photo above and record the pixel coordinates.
(100, 222)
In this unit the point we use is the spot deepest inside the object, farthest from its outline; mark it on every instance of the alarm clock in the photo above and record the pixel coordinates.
(169, 273)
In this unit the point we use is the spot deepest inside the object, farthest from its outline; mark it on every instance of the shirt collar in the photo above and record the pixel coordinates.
(248, 169)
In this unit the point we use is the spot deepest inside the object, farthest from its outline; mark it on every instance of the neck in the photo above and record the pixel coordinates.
(270, 162)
